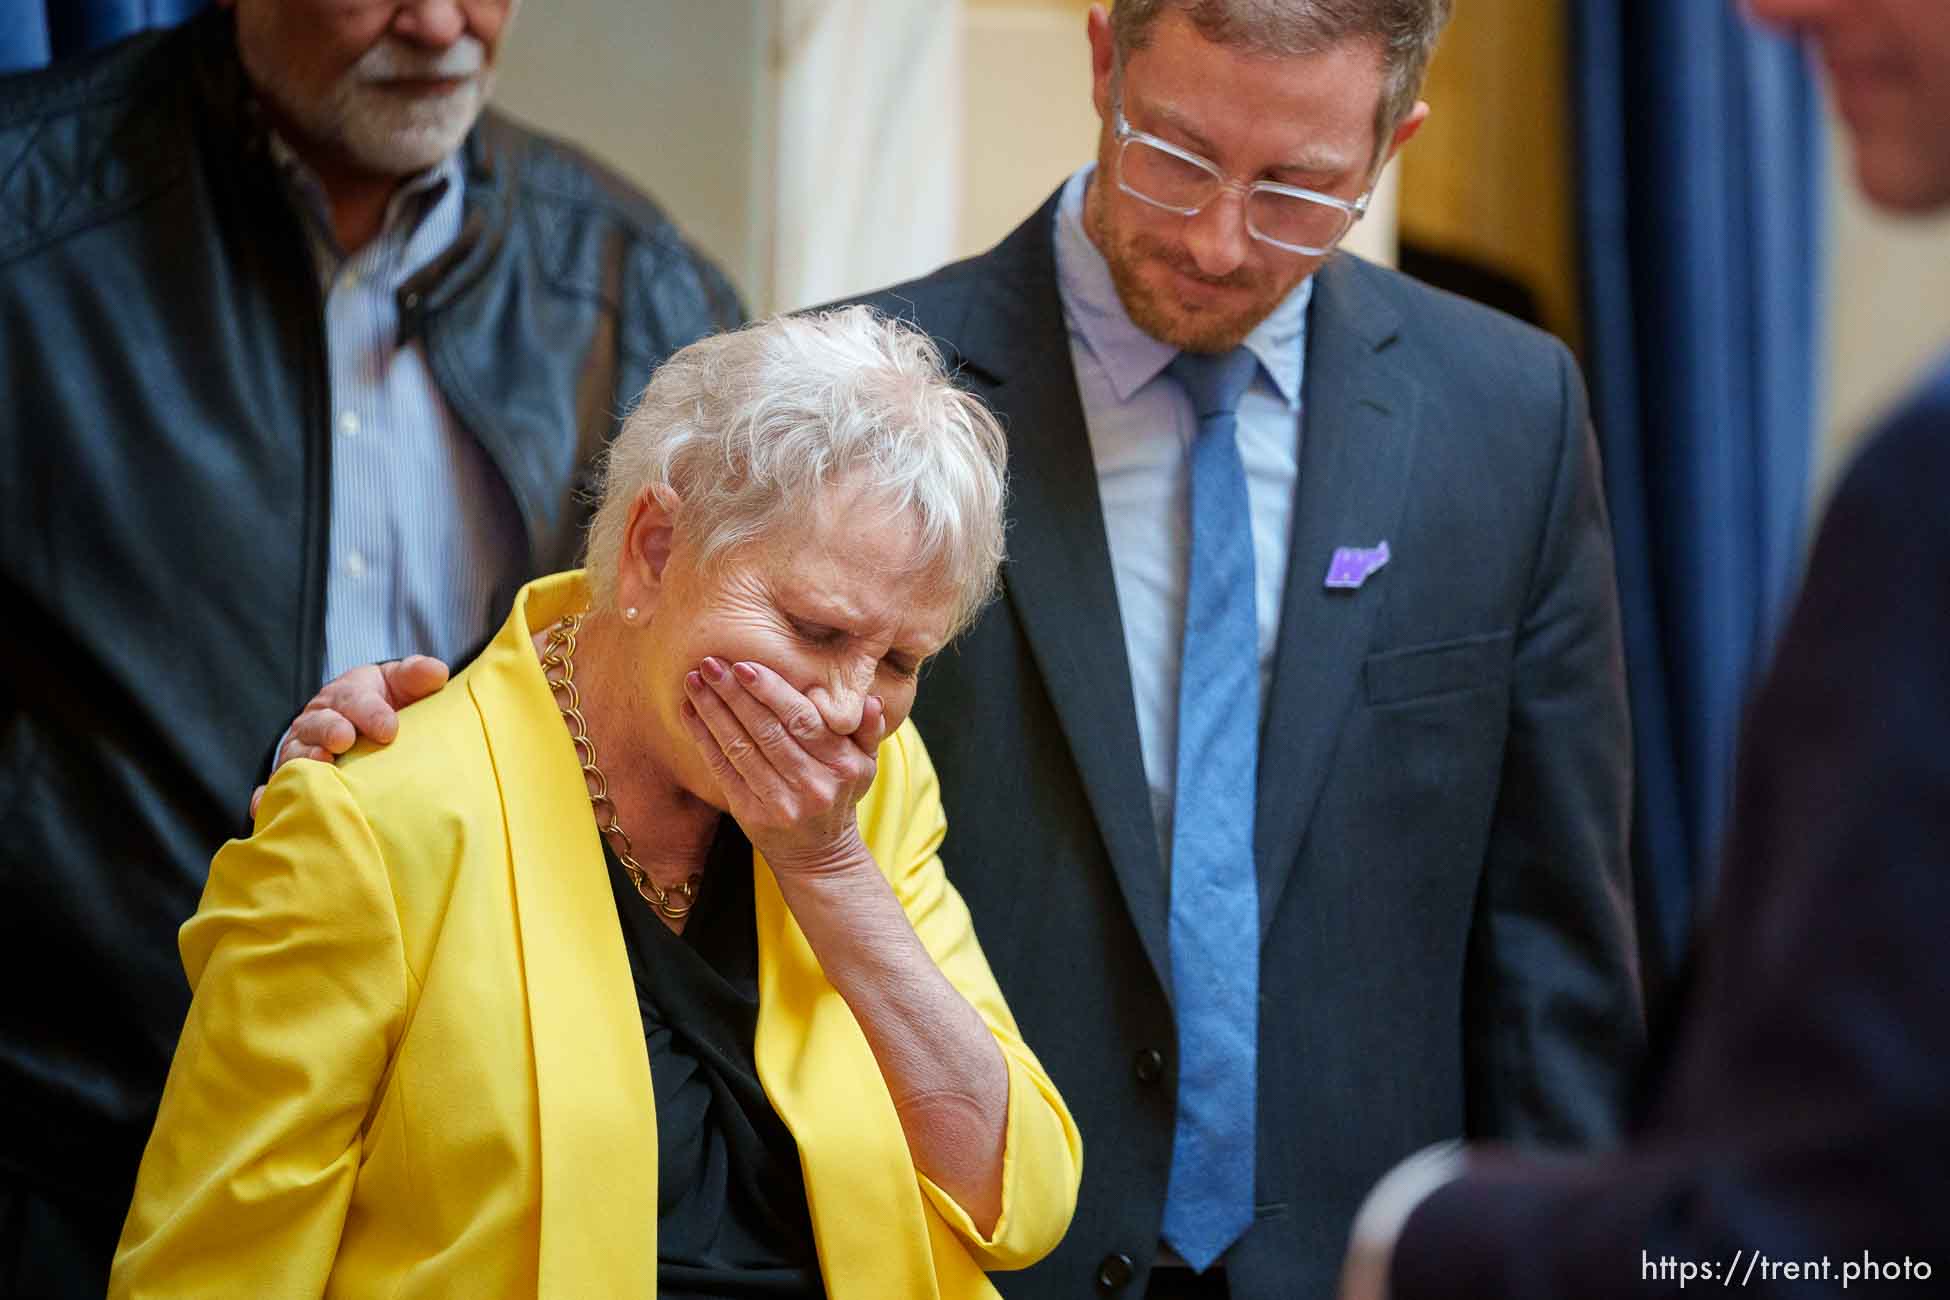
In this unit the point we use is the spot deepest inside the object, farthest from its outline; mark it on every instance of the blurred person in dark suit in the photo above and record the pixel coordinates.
(1802, 1114)
(1290, 778)
(306, 359)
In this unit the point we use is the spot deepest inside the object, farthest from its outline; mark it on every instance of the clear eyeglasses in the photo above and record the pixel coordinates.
(1177, 180)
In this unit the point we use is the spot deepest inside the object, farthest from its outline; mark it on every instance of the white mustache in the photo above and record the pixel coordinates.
(395, 60)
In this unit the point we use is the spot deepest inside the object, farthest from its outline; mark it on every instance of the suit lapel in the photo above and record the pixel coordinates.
(597, 1127)
(1356, 449)
(1058, 579)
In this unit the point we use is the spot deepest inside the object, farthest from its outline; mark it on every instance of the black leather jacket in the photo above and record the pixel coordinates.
(164, 484)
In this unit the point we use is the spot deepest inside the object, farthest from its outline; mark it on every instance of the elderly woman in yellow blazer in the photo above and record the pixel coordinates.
(630, 967)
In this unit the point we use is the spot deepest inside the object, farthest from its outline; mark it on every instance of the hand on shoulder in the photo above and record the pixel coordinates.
(361, 703)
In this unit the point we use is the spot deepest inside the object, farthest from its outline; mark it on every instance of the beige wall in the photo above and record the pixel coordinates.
(1889, 311)
(1028, 114)
(1488, 178)
(671, 93)
(868, 187)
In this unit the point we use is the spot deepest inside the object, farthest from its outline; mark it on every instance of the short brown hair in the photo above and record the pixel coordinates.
(1405, 31)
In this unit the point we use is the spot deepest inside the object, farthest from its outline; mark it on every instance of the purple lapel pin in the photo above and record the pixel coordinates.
(1354, 565)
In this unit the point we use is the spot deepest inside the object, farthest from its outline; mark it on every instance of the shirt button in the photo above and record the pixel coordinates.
(1114, 1272)
(1149, 1066)
(349, 424)
(355, 564)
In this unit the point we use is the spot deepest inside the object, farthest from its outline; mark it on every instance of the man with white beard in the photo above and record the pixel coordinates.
(307, 356)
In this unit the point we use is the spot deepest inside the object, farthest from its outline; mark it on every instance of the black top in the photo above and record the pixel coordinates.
(731, 1199)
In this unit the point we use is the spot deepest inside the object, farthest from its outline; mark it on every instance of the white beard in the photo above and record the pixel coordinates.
(397, 135)
(379, 128)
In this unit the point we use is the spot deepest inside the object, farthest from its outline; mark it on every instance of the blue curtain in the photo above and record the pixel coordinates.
(1701, 165)
(35, 33)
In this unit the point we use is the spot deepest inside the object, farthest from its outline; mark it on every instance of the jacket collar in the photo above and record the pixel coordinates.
(585, 1027)
(1362, 395)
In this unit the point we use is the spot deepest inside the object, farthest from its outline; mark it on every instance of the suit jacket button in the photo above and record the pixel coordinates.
(1114, 1272)
(1149, 1065)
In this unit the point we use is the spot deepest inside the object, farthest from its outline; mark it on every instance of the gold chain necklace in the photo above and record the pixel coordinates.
(559, 667)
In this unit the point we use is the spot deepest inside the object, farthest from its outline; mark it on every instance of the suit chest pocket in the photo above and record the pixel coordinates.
(1392, 678)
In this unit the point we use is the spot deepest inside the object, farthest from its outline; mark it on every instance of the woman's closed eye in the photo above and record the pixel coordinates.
(825, 636)
(818, 634)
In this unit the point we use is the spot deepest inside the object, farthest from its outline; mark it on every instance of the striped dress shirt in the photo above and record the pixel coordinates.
(425, 531)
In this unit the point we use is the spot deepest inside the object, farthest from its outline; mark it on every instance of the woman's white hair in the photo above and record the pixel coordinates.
(741, 433)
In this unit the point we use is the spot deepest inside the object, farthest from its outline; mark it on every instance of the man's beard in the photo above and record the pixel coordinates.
(1171, 321)
(379, 128)
(1165, 317)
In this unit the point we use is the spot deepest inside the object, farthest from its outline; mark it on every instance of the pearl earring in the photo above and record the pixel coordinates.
(629, 614)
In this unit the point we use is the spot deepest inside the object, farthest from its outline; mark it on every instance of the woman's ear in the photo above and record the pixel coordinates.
(647, 542)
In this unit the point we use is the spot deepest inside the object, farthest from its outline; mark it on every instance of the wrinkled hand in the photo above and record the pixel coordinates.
(792, 782)
(362, 702)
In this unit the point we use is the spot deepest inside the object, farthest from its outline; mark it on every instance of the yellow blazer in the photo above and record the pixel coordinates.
(414, 1064)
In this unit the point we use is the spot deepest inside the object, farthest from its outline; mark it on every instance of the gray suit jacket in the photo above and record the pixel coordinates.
(1443, 788)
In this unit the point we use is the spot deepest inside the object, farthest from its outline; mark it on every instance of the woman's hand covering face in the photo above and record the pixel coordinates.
(790, 780)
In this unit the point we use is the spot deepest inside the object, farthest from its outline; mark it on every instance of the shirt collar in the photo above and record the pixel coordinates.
(407, 212)
(1130, 357)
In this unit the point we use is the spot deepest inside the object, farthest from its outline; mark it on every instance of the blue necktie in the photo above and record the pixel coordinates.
(1214, 890)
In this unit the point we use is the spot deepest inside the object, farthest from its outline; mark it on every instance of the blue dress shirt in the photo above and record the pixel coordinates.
(1141, 427)
(425, 533)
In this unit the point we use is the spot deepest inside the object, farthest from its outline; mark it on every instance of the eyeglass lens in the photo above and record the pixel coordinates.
(1173, 182)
